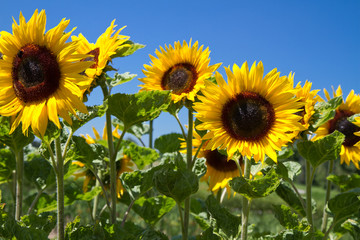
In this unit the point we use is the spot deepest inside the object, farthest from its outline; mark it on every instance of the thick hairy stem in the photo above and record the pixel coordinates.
(245, 203)
(60, 190)
(327, 197)
(19, 183)
(189, 166)
(151, 134)
(308, 195)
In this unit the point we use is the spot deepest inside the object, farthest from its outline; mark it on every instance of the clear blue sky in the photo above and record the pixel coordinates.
(318, 40)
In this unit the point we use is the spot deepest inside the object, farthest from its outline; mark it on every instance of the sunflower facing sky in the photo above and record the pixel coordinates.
(250, 114)
(181, 69)
(105, 47)
(39, 74)
(350, 149)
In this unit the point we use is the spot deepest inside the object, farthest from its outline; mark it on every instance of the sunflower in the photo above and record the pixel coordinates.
(250, 114)
(350, 149)
(181, 69)
(219, 170)
(122, 165)
(105, 47)
(91, 140)
(87, 173)
(308, 97)
(39, 77)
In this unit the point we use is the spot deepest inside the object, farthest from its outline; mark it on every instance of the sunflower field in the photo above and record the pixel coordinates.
(255, 160)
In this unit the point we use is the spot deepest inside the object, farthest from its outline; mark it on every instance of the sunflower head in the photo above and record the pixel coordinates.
(350, 149)
(182, 69)
(251, 113)
(87, 173)
(39, 74)
(102, 51)
(91, 140)
(307, 96)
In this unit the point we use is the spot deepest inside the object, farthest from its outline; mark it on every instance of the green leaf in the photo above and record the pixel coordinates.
(138, 182)
(138, 130)
(141, 156)
(288, 170)
(73, 193)
(200, 167)
(7, 164)
(352, 117)
(45, 221)
(174, 108)
(129, 231)
(86, 153)
(132, 109)
(126, 51)
(39, 171)
(288, 219)
(82, 118)
(345, 204)
(16, 140)
(353, 227)
(199, 211)
(119, 78)
(258, 188)
(345, 182)
(168, 143)
(151, 234)
(175, 183)
(290, 197)
(224, 223)
(322, 150)
(154, 208)
(324, 111)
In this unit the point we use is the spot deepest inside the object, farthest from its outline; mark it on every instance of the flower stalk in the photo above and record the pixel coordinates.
(308, 195)
(245, 202)
(327, 197)
(60, 190)
(19, 183)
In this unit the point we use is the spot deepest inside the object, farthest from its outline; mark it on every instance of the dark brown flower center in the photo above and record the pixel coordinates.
(219, 162)
(248, 116)
(180, 78)
(340, 123)
(35, 73)
(95, 57)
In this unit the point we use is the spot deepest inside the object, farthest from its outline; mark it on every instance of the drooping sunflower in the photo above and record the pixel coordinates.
(350, 149)
(308, 97)
(39, 74)
(219, 170)
(105, 47)
(122, 165)
(87, 173)
(181, 69)
(250, 114)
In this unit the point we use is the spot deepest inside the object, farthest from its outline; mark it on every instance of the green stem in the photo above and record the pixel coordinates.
(308, 194)
(112, 154)
(245, 202)
(96, 200)
(298, 194)
(127, 212)
(189, 166)
(327, 197)
(67, 143)
(151, 134)
(60, 190)
(181, 220)
(112, 158)
(36, 199)
(181, 127)
(19, 183)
